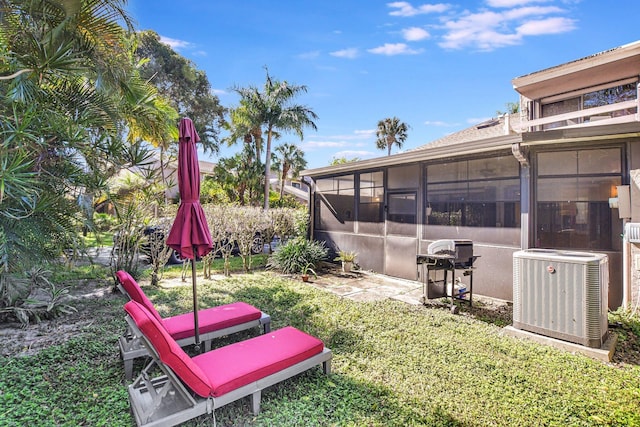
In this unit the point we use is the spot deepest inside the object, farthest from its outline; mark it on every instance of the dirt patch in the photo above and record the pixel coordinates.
(25, 341)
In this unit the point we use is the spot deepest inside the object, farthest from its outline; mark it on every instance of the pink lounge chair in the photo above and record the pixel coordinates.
(194, 386)
(213, 322)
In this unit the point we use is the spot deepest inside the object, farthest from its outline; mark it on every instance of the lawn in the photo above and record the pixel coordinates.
(394, 365)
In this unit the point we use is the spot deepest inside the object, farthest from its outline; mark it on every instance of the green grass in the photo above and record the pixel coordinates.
(394, 365)
(98, 239)
(172, 271)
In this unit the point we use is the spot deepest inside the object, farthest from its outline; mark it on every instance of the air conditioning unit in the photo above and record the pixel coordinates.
(562, 294)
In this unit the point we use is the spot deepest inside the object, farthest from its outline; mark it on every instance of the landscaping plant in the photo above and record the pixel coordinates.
(292, 256)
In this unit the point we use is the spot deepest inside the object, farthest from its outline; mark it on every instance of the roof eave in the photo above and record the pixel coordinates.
(615, 64)
(469, 148)
(614, 132)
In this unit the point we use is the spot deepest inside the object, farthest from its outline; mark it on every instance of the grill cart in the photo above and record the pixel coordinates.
(437, 270)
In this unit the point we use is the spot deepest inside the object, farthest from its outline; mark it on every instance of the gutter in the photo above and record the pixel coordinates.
(486, 145)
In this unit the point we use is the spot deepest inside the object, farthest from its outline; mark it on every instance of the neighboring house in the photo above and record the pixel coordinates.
(293, 187)
(170, 173)
(547, 177)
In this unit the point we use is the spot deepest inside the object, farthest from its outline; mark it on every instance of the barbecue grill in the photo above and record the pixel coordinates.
(438, 270)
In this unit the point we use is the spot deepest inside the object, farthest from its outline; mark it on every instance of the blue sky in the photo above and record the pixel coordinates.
(439, 67)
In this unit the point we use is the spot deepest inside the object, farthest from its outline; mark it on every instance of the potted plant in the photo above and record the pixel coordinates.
(347, 258)
(306, 270)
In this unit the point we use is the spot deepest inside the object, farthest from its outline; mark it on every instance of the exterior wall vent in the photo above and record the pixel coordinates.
(632, 232)
(561, 294)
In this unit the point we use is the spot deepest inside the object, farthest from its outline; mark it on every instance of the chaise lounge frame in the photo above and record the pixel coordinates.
(165, 400)
(131, 347)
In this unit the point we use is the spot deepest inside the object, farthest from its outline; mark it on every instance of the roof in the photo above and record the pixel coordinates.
(612, 65)
(495, 127)
(491, 135)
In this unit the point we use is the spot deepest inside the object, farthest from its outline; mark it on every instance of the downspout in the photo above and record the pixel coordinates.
(626, 268)
(521, 155)
(310, 203)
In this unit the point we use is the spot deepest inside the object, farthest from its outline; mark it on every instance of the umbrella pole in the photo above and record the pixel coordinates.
(195, 300)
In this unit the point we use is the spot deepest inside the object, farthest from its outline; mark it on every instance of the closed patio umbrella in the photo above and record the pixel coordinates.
(189, 234)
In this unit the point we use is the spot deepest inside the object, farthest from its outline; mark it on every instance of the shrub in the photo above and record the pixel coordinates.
(104, 222)
(293, 256)
(32, 298)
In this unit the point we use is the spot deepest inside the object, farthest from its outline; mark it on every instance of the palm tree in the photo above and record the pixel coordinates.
(70, 94)
(272, 108)
(390, 132)
(288, 158)
(245, 126)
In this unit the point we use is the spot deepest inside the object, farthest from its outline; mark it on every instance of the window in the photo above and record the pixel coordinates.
(371, 197)
(573, 190)
(474, 193)
(371, 202)
(592, 99)
(402, 214)
(334, 203)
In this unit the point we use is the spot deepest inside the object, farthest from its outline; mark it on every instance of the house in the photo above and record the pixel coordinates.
(563, 173)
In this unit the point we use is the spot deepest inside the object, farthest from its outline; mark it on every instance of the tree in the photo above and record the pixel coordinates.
(342, 160)
(273, 108)
(512, 108)
(288, 158)
(70, 96)
(240, 176)
(390, 132)
(245, 125)
(186, 88)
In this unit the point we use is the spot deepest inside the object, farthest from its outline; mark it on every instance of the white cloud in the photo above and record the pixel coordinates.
(340, 140)
(415, 34)
(404, 8)
(547, 26)
(439, 123)
(512, 3)
(365, 133)
(488, 30)
(324, 144)
(391, 49)
(359, 138)
(175, 43)
(524, 12)
(218, 91)
(349, 53)
(309, 55)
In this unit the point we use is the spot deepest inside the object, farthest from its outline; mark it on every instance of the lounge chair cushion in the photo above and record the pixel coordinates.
(247, 361)
(211, 319)
(228, 368)
(182, 325)
(135, 292)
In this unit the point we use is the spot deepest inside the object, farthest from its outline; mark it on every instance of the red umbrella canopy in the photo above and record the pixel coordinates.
(189, 234)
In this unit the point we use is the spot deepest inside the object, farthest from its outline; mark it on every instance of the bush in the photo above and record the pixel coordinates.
(104, 222)
(297, 253)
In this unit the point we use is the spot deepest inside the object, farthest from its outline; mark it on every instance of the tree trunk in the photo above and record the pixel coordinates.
(285, 171)
(164, 178)
(267, 167)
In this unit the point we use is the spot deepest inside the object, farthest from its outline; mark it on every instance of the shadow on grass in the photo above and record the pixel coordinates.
(314, 399)
(499, 314)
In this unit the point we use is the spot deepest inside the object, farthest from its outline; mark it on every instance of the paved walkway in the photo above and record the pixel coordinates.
(366, 286)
